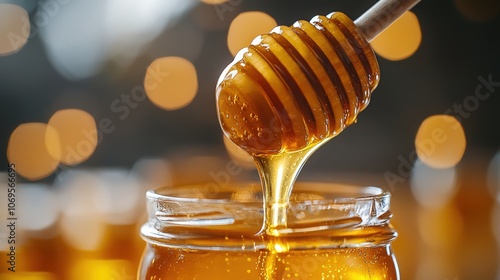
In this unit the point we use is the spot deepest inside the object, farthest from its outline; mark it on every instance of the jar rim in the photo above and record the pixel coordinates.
(210, 193)
(193, 216)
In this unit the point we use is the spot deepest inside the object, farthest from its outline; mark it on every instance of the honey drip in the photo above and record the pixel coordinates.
(278, 174)
(289, 92)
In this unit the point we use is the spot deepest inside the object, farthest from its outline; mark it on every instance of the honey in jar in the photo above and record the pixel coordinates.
(333, 232)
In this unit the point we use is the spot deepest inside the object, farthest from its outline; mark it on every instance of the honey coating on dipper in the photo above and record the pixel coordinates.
(297, 86)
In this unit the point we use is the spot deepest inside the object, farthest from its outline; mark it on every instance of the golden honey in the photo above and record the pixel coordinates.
(334, 232)
(360, 263)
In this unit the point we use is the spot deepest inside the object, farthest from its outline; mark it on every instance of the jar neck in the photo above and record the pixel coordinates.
(229, 218)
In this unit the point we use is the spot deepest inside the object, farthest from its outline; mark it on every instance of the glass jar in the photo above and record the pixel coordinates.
(334, 232)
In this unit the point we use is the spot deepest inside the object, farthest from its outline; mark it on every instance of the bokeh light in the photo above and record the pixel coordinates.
(81, 223)
(245, 27)
(478, 10)
(432, 187)
(440, 141)
(145, 21)
(14, 28)
(152, 173)
(74, 45)
(78, 48)
(4, 180)
(34, 157)
(38, 207)
(214, 2)
(77, 133)
(440, 228)
(102, 269)
(238, 154)
(495, 223)
(119, 197)
(494, 177)
(28, 276)
(171, 82)
(400, 40)
(435, 267)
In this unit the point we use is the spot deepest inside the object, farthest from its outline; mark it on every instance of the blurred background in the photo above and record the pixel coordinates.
(102, 100)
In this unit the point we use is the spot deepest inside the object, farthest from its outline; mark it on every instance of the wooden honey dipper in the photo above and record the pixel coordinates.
(301, 84)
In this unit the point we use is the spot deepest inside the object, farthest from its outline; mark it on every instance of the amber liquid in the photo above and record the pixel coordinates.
(341, 263)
